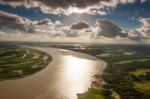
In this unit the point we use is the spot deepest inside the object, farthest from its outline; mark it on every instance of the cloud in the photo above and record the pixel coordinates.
(142, 33)
(146, 26)
(45, 22)
(58, 3)
(142, 1)
(109, 29)
(101, 12)
(75, 33)
(136, 35)
(13, 27)
(11, 21)
(58, 23)
(57, 6)
(127, 1)
(80, 25)
(68, 6)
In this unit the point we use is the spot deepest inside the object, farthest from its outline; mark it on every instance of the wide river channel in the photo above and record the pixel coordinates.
(69, 74)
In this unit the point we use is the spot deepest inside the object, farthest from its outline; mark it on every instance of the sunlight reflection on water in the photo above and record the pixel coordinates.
(79, 72)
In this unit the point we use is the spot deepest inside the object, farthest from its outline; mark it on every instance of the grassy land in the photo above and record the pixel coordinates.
(130, 61)
(144, 87)
(140, 72)
(16, 62)
(91, 94)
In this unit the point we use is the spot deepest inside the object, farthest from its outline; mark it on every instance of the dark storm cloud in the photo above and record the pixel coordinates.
(67, 6)
(63, 3)
(71, 3)
(44, 22)
(58, 6)
(80, 25)
(68, 3)
(109, 29)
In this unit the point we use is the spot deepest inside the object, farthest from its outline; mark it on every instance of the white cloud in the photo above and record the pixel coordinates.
(136, 35)
(101, 12)
(145, 27)
(58, 23)
(142, 1)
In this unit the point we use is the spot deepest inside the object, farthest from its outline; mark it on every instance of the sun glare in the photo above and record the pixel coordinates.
(77, 10)
(76, 65)
(76, 69)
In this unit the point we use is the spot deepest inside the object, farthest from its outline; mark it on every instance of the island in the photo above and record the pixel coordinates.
(17, 62)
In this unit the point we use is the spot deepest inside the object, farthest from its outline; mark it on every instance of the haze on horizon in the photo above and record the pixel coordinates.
(91, 21)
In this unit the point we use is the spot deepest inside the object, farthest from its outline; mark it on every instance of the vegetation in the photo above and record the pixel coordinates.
(91, 94)
(140, 72)
(16, 62)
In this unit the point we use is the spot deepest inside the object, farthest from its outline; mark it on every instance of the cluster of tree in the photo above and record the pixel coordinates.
(119, 78)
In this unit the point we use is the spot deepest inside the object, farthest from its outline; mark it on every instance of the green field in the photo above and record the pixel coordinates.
(139, 72)
(144, 87)
(92, 94)
(16, 62)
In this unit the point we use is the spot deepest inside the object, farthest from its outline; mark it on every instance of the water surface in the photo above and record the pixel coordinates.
(68, 74)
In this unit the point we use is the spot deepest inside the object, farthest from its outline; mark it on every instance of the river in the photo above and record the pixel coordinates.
(68, 74)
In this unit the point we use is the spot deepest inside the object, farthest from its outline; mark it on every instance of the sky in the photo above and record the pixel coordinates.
(99, 20)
